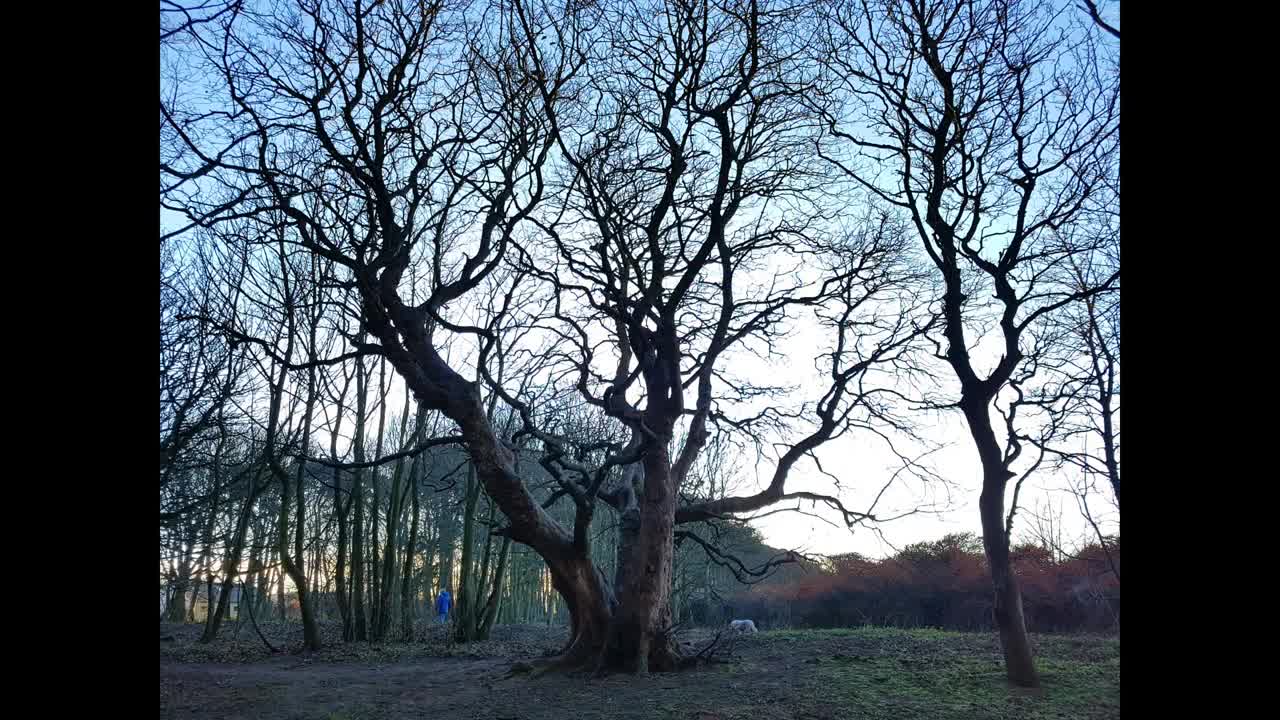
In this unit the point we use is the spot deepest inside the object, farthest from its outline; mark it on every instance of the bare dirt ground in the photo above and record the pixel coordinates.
(808, 675)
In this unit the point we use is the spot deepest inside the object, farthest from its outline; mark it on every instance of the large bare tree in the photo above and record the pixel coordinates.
(686, 229)
(992, 125)
(637, 177)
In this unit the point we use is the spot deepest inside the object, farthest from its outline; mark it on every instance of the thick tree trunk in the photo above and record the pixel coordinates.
(591, 606)
(635, 629)
(638, 639)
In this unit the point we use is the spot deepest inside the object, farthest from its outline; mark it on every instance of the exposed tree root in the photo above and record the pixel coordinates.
(666, 655)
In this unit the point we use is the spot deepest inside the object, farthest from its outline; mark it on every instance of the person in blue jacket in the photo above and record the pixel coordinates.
(443, 603)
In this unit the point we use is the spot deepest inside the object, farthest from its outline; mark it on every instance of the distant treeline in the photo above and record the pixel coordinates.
(943, 584)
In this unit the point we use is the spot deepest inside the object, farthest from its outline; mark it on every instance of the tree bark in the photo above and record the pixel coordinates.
(361, 628)
(375, 590)
(176, 610)
(1007, 599)
(591, 605)
(341, 512)
(1104, 365)
(483, 580)
(231, 565)
(292, 563)
(493, 605)
(466, 611)
(395, 507)
(340, 573)
(638, 640)
(206, 551)
(407, 604)
(448, 532)
(306, 605)
(360, 619)
(280, 599)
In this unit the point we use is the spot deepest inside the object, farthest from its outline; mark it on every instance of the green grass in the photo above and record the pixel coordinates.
(884, 672)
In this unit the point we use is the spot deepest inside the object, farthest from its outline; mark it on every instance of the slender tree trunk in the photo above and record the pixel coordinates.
(1109, 449)
(375, 590)
(495, 596)
(254, 619)
(231, 566)
(1103, 362)
(1007, 599)
(280, 599)
(176, 610)
(357, 560)
(361, 630)
(466, 611)
(340, 572)
(447, 524)
(429, 551)
(407, 603)
(483, 580)
(292, 563)
(259, 577)
(382, 612)
(208, 601)
(341, 511)
(306, 604)
(395, 503)
(211, 521)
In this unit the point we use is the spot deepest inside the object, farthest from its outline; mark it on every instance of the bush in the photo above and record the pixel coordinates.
(942, 584)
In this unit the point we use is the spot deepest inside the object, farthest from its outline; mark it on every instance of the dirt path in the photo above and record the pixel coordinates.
(456, 689)
(291, 688)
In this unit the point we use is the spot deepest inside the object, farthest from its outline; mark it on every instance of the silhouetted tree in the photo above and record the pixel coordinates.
(990, 125)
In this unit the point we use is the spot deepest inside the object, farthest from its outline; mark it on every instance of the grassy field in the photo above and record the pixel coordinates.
(801, 674)
(935, 674)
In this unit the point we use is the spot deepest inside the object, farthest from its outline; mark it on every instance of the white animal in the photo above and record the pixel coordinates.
(743, 626)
